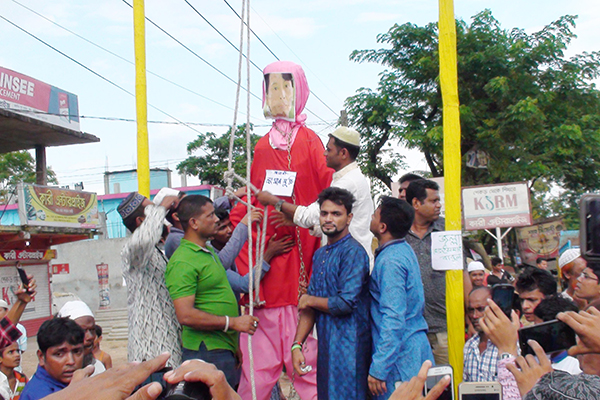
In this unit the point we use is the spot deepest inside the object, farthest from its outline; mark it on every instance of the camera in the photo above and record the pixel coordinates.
(180, 391)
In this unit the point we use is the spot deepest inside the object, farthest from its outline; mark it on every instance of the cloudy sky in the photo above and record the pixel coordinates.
(318, 34)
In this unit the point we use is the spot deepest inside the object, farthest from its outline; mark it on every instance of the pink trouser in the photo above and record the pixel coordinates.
(271, 348)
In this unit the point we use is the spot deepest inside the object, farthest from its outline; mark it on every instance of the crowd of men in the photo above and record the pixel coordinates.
(349, 306)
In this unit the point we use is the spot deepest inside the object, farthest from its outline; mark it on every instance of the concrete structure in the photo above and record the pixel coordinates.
(82, 277)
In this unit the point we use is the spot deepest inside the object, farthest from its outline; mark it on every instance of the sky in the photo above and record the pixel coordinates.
(317, 34)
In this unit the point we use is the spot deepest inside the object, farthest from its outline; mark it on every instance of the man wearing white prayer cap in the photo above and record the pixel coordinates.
(79, 312)
(476, 272)
(571, 265)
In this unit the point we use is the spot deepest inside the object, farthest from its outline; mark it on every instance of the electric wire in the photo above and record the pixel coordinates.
(297, 56)
(270, 51)
(120, 119)
(120, 57)
(94, 72)
(194, 53)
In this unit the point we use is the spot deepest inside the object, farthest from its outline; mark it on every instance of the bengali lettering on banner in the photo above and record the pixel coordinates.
(540, 240)
(496, 206)
(27, 96)
(51, 206)
(27, 255)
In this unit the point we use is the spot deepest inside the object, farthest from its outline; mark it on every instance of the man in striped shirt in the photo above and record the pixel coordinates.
(480, 354)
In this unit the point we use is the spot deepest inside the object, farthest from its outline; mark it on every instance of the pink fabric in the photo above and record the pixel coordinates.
(277, 139)
(510, 390)
(271, 347)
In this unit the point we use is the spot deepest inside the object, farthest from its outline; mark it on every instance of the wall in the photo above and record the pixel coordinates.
(82, 279)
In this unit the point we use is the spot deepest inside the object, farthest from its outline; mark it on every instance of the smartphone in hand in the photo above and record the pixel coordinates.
(434, 375)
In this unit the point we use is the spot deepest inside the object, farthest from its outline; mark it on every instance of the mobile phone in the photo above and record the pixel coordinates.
(503, 295)
(24, 278)
(480, 391)
(434, 375)
(552, 335)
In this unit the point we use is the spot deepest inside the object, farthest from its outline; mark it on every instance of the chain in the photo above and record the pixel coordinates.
(302, 277)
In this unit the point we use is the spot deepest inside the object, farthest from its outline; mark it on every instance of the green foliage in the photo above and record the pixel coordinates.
(19, 166)
(534, 111)
(212, 164)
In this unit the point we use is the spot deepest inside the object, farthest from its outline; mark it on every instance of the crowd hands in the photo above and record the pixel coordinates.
(121, 382)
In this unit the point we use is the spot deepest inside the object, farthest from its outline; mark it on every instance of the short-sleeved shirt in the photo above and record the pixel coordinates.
(434, 282)
(197, 271)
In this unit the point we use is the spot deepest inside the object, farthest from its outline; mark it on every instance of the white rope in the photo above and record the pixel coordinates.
(249, 188)
(230, 175)
(229, 179)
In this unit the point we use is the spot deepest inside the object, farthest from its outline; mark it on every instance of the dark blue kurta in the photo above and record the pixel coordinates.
(341, 274)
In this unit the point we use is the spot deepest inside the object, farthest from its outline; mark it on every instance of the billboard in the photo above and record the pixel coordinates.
(52, 206)
(27, 96)
(496, 206)
(540, 240)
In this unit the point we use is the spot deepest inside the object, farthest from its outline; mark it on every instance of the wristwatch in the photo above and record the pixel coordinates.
(278, 205)
(505, 355)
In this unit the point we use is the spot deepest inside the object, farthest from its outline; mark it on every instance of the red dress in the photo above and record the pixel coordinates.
(280, 286)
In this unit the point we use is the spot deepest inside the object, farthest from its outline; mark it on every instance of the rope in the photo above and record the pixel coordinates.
(228, 178)
(249, 186)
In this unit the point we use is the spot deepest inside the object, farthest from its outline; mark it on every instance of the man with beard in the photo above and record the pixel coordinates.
(338, 301)
(480, 354)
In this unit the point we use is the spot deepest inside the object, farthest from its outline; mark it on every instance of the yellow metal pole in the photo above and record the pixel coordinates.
(143, 158)
(452, 183)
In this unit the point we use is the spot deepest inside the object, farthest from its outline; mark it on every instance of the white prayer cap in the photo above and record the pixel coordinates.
(568, 256)
(164, 192)
(75, 309)
(3, 304)
(475, 266)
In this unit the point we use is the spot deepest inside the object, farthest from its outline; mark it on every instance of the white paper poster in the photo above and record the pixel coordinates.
(280, 183)
(446, 250)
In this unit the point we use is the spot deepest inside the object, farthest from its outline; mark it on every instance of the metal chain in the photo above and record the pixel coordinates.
(302, 277)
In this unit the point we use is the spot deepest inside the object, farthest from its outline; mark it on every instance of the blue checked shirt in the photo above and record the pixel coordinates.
(480, 367)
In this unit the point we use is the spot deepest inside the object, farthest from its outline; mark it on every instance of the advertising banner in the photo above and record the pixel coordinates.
(103, 287)
(52, 206)
(27, 96)
(496, 206)
(539, 240)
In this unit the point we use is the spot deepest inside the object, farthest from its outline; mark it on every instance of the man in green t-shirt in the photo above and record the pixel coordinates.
(205, 304)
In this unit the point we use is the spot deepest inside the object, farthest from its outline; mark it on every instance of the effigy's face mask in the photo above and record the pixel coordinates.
(280, 96)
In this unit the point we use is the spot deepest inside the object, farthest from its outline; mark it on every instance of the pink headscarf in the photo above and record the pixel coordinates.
(277, 139)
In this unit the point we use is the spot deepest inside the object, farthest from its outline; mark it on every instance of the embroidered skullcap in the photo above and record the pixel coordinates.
(75, 309)
(560, 385)
(475, 266)
(347, 135)
(130, 204)
(568, 256)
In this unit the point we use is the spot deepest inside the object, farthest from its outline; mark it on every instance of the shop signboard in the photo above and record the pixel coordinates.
(496, 206)
(38, 100)
(57, 207)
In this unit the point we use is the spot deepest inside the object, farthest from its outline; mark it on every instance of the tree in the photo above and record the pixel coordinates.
(15, 167)
(211, 166)
(535, 112)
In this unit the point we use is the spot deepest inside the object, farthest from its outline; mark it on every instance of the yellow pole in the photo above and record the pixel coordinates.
(143, 158)
(452, 184)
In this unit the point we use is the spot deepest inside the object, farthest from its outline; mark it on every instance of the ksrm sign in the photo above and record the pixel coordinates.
(496, 206)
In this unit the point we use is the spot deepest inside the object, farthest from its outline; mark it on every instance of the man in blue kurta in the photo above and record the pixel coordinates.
(338, 301)
(399, 329)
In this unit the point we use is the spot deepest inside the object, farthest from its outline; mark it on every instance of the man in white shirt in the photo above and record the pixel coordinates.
(340, 154)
